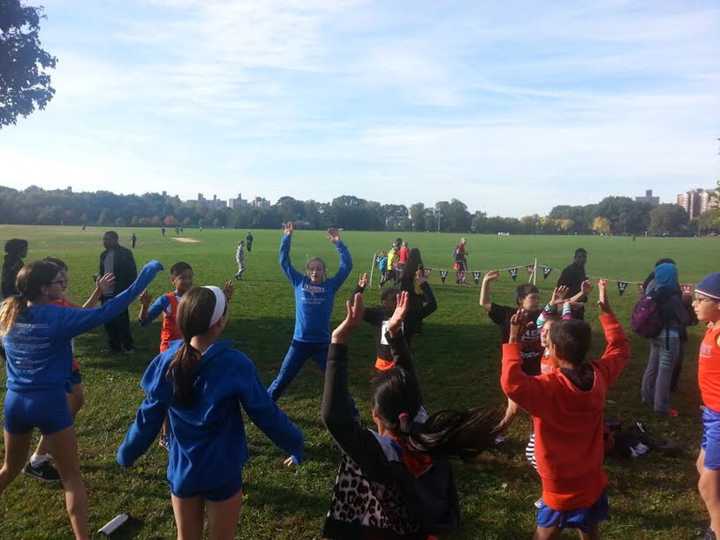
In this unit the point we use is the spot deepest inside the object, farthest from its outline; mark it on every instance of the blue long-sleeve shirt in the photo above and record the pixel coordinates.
(38, 347)
(208, 448)
(314, 303)
(159, 305)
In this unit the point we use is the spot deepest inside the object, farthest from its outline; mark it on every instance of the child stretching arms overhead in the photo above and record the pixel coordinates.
(314, 299)
(567, 407)
(396, 482)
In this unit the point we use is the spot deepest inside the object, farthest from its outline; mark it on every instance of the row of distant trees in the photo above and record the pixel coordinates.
(612, 215)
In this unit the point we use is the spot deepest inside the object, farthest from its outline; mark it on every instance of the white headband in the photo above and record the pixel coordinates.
(220, 302)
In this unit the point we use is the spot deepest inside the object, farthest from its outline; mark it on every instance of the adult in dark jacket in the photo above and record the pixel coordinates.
(572, 277)
(118, 260)
(15, 252)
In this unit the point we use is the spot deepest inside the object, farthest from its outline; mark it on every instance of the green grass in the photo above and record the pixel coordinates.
(457, 357)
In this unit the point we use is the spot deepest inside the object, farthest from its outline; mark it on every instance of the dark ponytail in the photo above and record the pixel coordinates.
(194, 314)
(457, 433)
(29, 282)
(397, 401)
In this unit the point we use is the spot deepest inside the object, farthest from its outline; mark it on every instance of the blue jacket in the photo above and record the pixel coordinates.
(314, 303)
(38, 347)
(208, 447)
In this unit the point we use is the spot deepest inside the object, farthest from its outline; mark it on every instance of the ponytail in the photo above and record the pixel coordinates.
(194, 318)
(10, 310)
(457, 433)
(397, 402)
(182, 373)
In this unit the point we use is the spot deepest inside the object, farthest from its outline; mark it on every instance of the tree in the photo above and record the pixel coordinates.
(668, 219)
(601, 225)
(24, 65)
(417, 216)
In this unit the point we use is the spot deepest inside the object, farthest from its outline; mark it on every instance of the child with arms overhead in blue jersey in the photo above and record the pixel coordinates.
(201, 383)
(37, 337)
(314, 298)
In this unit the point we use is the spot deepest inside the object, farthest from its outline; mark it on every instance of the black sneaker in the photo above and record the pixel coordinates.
(45, 472)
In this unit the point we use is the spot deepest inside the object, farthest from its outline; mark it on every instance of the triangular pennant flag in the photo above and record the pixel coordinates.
(687, 288)
(530, 268)
(443, 275)
(622, 285)
(428, 271)
(476, 276)
(546, 271)
(513, 273)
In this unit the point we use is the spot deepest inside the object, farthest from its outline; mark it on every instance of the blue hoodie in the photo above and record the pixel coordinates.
(208, 447)
(314, 303)
(38, 347)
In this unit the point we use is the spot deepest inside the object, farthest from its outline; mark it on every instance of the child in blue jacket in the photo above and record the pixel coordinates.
(314, 299)
(37, 337)
(200, 384)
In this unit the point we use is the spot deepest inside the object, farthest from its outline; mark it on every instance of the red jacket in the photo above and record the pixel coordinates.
(568, 421)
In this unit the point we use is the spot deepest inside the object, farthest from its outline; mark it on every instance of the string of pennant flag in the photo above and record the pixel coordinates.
(546, 270)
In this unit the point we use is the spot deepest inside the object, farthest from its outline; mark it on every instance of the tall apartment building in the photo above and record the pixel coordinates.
(697, 201)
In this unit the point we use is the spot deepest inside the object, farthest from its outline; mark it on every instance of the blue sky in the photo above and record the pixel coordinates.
(510, 106)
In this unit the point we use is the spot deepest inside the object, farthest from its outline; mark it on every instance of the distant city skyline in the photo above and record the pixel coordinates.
(511, 107)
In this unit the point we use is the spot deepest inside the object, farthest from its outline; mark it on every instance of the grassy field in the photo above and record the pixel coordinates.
(458, 362)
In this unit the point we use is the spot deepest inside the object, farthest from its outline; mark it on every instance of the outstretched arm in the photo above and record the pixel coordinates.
(293, 275)
(485, 289)
(429, 302)
(101, 286)
(73, 322)
(266, 415)
(617, 348)
(337, 411)
(345, 259)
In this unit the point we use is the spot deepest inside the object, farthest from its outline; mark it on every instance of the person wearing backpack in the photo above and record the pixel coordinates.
(667, 315)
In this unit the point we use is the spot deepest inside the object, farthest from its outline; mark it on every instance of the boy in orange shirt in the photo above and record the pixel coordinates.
(567, 407)
(707, 308)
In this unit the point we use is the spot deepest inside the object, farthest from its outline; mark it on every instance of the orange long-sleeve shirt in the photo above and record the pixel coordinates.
(709, 368)
(568, 421)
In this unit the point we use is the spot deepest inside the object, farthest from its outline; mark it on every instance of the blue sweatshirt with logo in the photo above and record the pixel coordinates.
(314, 303)
(38, 347)
(208, 447)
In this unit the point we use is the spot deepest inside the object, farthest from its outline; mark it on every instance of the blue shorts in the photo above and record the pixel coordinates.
(218, 494)
(74, 380)
(711, 438)
(584, 519)
(46, 410)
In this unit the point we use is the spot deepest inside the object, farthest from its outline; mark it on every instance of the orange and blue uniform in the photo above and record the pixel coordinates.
(709, 381)
(568, 421)
(167, 304)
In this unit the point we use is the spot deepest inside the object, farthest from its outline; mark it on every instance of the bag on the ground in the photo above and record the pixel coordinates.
(646, 320)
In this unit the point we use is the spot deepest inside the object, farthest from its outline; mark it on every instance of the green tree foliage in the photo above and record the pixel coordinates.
(52, 207)
(24, 65)
(668, 219)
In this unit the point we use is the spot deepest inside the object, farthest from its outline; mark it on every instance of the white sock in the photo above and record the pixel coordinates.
(38, 459)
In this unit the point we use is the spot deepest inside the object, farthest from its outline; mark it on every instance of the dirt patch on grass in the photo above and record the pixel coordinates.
(185, 240)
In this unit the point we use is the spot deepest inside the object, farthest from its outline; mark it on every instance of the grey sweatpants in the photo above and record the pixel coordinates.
(657, 379)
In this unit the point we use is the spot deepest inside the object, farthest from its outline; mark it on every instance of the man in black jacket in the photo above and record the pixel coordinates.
(118, 260)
